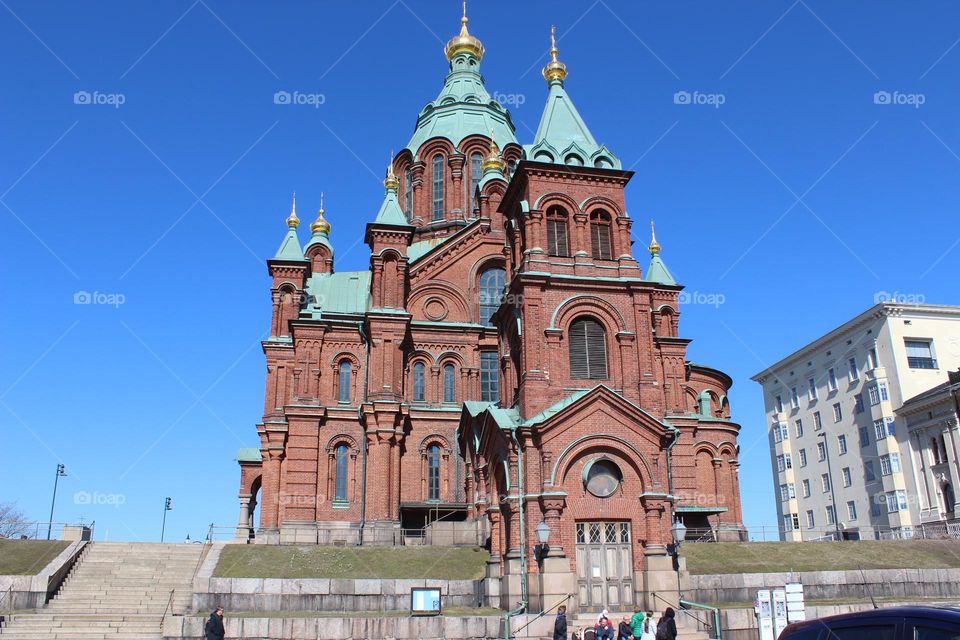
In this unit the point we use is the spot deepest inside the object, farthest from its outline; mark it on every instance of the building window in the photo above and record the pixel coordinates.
(433, 472)
(343, 381)
(778, 404)
(864, 436)
(787, 492)
(794, 398)
(811, 389)
(803, 457)
(476, 172)
(831, 516)
(842, 444)
(799, 426)
(837, 413)
(408, 194)
(817, 422)
(858, 406)
(784, 462)
(882, 386)
(853, 374)
(832, 379)
(588, 350)
(872, 361)
(879, 429)
(449, 383)
(920, 354)
(821, 451)
(557, 232)
(340, 483)
(805, 488)
(889, 464)
(791, 522)
(489, 376)
(891, 426)
(492, 281)
(896, 501)
(874, 394)
(777, 433)
(600, 235)
(851, 510)
(438, 187)
(825, 482)
(939, 450)
(847, 477)
(419, 382)
(811, 523)
(875, 501)
(868, 473)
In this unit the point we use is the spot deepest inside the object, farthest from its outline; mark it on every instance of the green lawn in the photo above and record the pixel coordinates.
(453, 612)
(27, 557)
(262, 561)
(762, 557)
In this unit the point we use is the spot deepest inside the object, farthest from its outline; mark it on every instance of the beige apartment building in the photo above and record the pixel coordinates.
(842, 462)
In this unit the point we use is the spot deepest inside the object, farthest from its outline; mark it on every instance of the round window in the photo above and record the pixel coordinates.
(602, 477)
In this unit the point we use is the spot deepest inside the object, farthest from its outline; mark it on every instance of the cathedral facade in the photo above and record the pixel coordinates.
(503, 371)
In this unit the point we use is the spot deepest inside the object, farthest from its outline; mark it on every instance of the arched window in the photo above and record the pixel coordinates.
(449, 383)
(343, 381)
(492, 281)
(438, 187)
(588, 350)
(476, 172)
(600, 235)
(433, 472)
(557, 232)
(340, 484)
(419, 382)
(408, 193)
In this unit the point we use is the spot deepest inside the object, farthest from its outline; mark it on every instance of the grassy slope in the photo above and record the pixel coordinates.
(760, 557)
(27, 557)
(261, 561)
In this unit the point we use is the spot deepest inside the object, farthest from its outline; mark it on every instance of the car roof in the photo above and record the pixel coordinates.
(943, 612)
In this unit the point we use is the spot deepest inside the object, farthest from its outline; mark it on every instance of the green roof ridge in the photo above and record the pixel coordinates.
(290, 247)
(658, 272)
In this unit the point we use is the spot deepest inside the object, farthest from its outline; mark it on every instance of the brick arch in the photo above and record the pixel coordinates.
(705, 447)
(389, 253)
(727, 449)
(419, 355)
(434, 438)
(565, 202)
(599, 202)
(342, 438)
(449, 356)
(457, 305)
(349, 355)
(484, 263)
(691, 395)
(433, 146)
(586, 304)
(636, 460)
(474, 143)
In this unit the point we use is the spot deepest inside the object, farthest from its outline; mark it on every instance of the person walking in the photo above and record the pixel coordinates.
(214, 627)
(560, 624)
(636, 623)
(624, 630)
(667, 627)
(649, 628)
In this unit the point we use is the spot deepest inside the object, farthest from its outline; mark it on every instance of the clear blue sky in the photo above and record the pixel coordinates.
(793, 203)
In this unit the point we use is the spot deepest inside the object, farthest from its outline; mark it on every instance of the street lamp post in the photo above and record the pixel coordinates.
(167, 506)
(833, 495)
(543, 537)
(679, 533)
(61, 471)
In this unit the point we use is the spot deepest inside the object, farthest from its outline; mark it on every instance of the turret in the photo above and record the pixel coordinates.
(289, 270)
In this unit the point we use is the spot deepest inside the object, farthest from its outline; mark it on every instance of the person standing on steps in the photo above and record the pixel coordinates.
(636, 623)
(667, 627)
(214, 627)
(560, 624)
(649, 628)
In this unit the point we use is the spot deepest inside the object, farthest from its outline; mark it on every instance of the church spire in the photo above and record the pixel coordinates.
(320, 229)
(390, 211)
(464, 42)
(657, 271)
(290, 247)
(555, 71)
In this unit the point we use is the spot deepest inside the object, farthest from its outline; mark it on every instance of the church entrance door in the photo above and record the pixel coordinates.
(604, 566)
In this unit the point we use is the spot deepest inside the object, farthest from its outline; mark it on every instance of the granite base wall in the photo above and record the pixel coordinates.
(31, 592)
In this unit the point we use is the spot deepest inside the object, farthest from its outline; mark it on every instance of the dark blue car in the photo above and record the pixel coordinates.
(893, 623)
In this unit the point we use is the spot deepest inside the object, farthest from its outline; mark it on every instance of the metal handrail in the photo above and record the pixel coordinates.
(167, 608)
(545, 612)
(679, 605)
(714, 610)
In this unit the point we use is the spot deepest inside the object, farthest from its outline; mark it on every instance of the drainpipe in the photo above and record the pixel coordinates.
(521, 501)
(363, 449)
(676, 436)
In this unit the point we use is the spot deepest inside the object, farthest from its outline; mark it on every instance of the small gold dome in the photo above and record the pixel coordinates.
(320, 225)
(391, 182)
(464, 42)
(555, 70)
(654, 245)
(493, 159)
(292, 220)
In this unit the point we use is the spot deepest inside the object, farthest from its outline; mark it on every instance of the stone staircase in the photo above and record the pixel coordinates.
(687, 628)
(116, 591)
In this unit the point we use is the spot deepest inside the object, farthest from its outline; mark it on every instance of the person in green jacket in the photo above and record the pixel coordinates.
(636, 623)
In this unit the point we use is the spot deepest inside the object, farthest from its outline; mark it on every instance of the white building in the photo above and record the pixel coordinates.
(841, 463)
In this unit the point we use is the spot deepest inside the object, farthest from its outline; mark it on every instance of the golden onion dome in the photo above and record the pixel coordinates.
(493, 159)
(464, 42)
(555, 70)
(292, 220)
(320, 225)
(654, 245)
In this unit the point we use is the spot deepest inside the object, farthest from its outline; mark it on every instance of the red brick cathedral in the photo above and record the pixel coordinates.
(503, 366)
